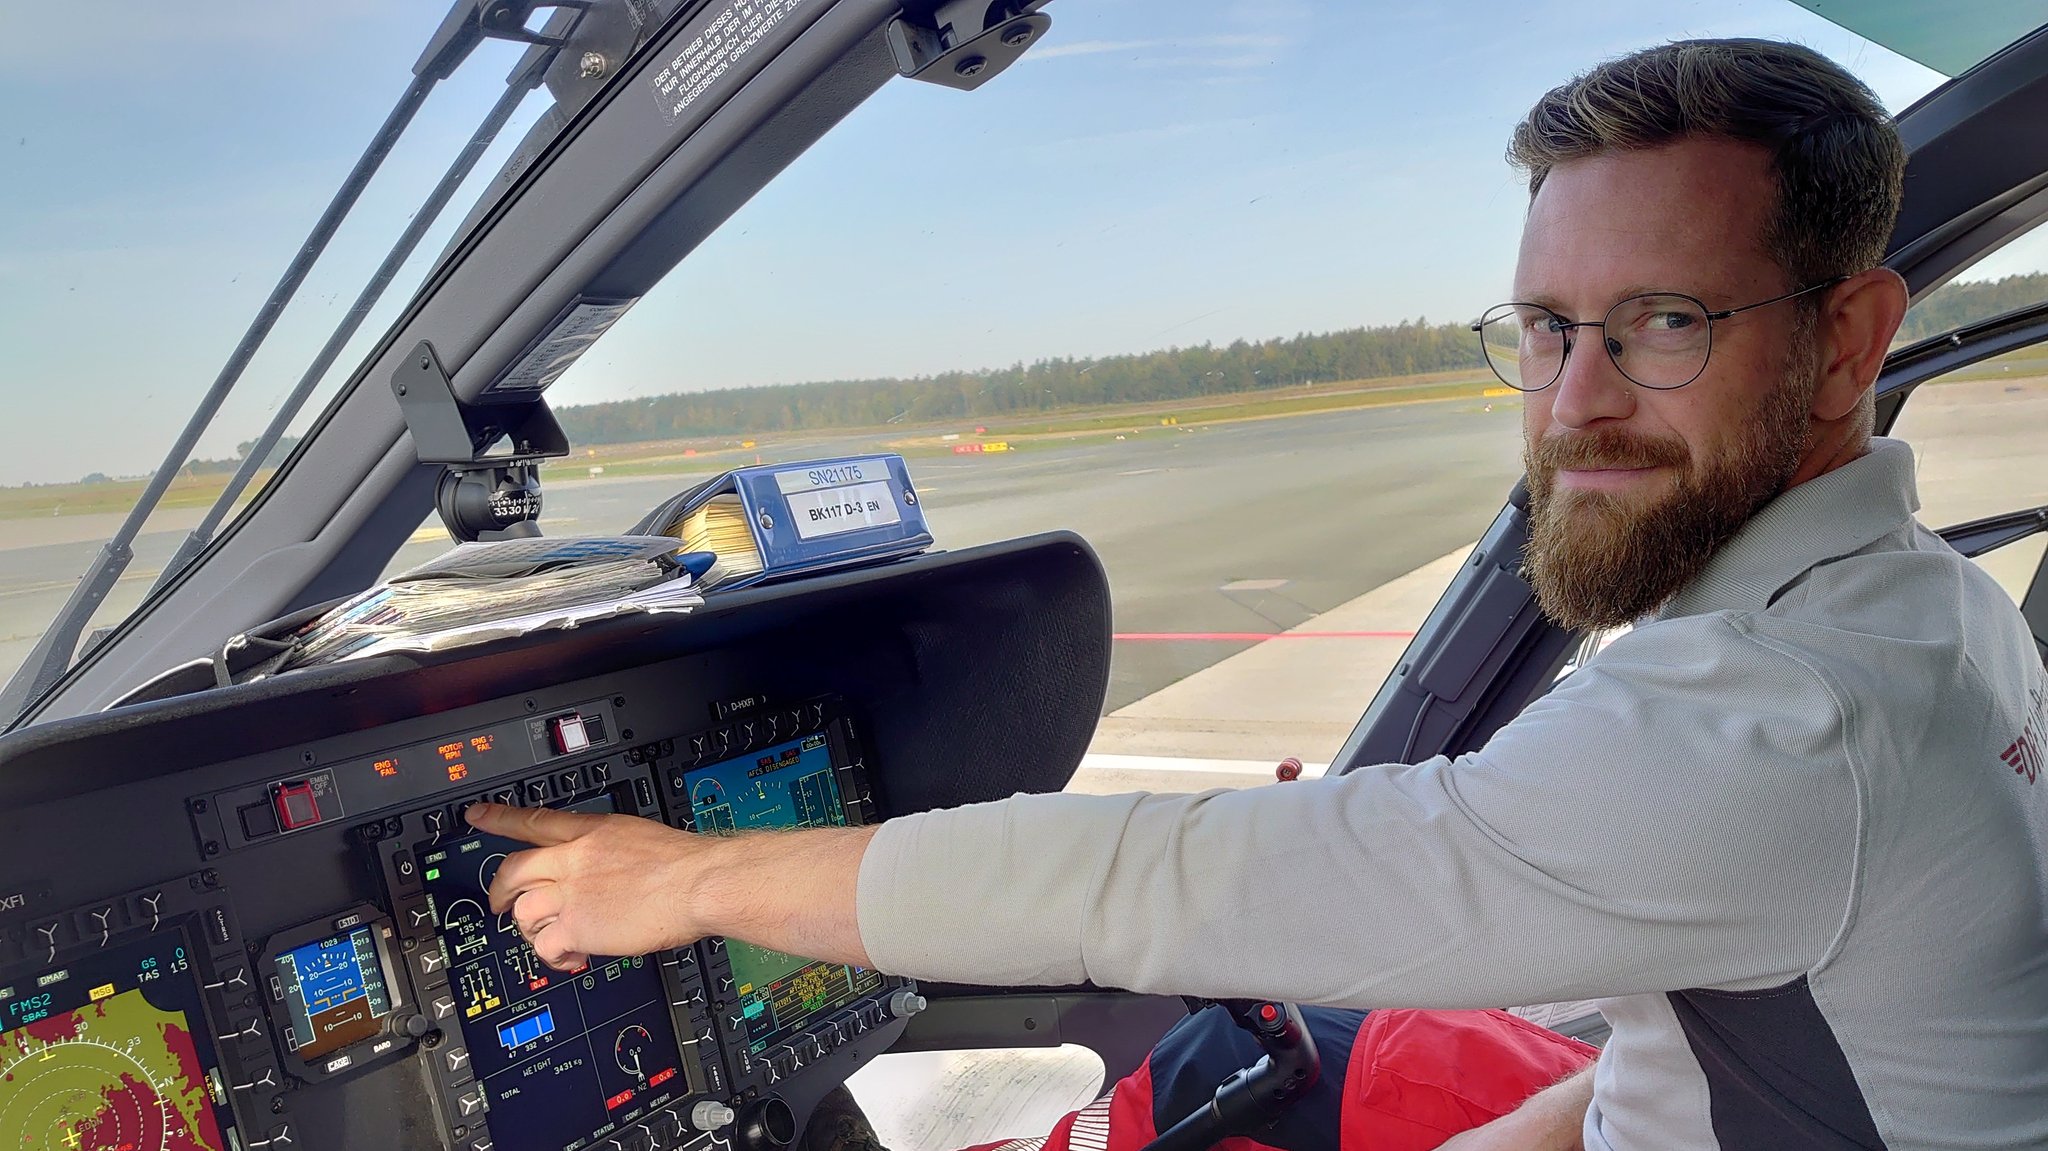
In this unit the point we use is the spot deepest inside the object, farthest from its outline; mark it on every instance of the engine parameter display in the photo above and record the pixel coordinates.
(789, 785)
(110, 1054)
(335, 991)
(564, 1057)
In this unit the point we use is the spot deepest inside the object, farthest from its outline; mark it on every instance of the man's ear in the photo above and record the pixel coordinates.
(1858, 319)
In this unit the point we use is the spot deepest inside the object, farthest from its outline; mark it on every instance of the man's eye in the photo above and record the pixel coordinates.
(1669, 321)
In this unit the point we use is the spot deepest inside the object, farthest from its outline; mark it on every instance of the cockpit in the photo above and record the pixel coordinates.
(239, 903)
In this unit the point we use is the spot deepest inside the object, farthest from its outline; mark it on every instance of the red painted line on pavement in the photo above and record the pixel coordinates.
(1258, 636)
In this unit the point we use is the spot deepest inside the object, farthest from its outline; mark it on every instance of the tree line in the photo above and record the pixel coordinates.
(1953, 305)
(1203, 370)
(1044, 385)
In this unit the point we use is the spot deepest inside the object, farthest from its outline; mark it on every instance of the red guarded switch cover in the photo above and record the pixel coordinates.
(296, 805)
(569, 734)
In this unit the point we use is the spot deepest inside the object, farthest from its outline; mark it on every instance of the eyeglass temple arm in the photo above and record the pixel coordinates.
(1775, 299)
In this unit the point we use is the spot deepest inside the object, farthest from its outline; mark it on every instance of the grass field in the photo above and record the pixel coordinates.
(110, 496)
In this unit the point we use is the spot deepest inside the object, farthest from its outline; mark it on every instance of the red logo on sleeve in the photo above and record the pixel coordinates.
(2023, 755)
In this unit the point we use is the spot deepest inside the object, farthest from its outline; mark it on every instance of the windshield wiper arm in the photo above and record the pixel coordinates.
(429, 210)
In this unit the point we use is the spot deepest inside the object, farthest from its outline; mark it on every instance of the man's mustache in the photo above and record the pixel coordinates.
(1605, 448)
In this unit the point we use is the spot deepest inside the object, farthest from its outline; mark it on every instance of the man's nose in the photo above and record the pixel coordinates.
(1591, 388)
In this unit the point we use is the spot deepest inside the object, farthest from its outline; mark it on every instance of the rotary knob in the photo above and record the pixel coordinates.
(710, 1115)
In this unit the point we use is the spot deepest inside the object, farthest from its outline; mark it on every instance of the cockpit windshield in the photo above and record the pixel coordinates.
(1169, 223)
(175, 189)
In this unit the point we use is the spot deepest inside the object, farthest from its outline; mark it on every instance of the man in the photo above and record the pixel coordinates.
(1770, 826)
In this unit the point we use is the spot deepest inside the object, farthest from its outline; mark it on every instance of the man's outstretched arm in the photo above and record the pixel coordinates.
(1571, 843)
(621, 885)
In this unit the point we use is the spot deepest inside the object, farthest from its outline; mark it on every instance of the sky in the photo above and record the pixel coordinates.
(1154, 173)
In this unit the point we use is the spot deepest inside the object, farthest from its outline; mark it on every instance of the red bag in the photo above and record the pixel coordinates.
(1413, 1080)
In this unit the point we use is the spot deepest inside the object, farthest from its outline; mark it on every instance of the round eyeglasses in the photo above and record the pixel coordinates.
(1658, 340)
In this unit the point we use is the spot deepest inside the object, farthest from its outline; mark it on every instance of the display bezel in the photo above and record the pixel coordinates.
(348, 1058)
(623, 794)
(841, 765)
(165, 933)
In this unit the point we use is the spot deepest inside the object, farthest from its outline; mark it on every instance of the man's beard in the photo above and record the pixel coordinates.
(1603, 559)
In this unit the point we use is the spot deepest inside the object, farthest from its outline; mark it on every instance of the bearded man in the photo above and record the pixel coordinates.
(1769, 828)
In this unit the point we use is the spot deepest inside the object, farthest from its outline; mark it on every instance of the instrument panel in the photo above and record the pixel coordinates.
(250, 916)
(147, 1021)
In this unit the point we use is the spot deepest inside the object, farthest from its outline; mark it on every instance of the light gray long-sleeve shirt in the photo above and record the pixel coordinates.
(1789, 833)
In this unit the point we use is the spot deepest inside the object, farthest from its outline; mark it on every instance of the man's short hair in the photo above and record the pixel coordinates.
(1837, 158)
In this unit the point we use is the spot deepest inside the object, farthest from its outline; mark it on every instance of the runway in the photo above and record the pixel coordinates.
(1332, 528)
(1219, 533)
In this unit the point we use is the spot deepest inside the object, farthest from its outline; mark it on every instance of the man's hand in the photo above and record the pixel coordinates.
(623, 885)
(1553, 1119)
(597, 884)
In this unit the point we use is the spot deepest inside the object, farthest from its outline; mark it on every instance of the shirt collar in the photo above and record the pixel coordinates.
(1831, 515)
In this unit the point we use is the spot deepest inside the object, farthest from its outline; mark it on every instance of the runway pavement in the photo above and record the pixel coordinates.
(1252, 527)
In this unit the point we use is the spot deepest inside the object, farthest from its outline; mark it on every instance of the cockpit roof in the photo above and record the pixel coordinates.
(1950, 38)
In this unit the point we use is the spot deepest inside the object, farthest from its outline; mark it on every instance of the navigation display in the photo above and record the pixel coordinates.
(788, 785)
(109, 1054)
(563, 1057)
(335, 991)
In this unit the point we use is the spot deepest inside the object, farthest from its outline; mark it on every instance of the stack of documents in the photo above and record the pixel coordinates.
(485, 591)
(779, 521)
(720, 527)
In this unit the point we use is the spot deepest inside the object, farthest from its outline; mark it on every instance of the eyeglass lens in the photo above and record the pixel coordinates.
(1658, 341)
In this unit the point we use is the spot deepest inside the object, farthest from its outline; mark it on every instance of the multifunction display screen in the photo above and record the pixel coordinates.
(564, 1057)
(790, 785)
(109, 1054)
(335, 991)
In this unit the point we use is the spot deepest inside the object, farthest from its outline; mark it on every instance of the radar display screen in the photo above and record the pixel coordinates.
(563, 1057)
(789, 785)
(335, 991)
(109, 1054)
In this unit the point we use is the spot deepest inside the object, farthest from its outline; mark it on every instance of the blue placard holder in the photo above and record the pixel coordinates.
(814, 515)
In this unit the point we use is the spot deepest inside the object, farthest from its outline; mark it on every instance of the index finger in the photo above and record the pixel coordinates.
(540, 826)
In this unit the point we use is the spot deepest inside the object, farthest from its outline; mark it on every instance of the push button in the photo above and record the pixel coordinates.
(101, 922)
(405, 869)
(149, 908)
(46, 938)
(219, 932)
(258, 820)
